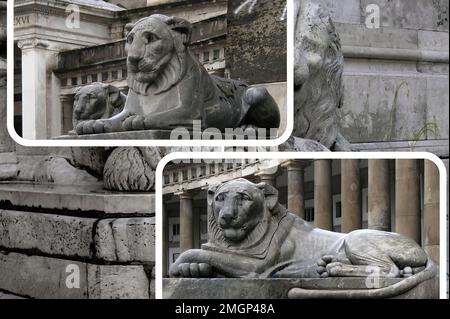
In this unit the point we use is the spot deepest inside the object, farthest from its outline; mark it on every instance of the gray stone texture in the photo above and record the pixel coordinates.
(6, 143)
(124, 240)
(278, 288)
(45, 278)
(256, 41)
(85, 199)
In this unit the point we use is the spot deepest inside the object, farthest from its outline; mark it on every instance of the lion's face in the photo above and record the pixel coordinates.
(155, 47)
(238, 207)
(150, 47)
(89, 103)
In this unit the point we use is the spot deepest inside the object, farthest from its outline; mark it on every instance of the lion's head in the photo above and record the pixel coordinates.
(240, 212)
(318, 75)
(157, 49)
(96, 101)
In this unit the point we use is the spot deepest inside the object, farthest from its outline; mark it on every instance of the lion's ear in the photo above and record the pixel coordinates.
(113, 93)
(129, 27)
(211, 192)
(183, 27)
(270, 194)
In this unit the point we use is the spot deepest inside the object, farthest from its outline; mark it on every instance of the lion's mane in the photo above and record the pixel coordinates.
(318, 87)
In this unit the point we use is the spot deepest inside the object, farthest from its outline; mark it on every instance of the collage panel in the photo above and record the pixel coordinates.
(87, 71)
(270, 227)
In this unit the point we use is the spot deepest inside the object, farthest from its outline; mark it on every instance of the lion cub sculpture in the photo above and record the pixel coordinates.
(252, 235)
(169, 88)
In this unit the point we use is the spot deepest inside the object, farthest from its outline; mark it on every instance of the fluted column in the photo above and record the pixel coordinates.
(350, 195)
(186, 222)
(407, 201)
(431, 210)
(323, 201)
(295, 186)
(379, 207)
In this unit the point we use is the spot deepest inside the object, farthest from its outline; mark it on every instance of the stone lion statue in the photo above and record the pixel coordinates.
(318, 69)
(252, 235)
(169, 88)
(97, 101)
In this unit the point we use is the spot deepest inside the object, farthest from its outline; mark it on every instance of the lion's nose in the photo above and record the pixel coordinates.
(227, 218)
(134, 60)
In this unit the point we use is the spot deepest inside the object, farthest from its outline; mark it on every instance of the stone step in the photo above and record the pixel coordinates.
(88, 199)
(52, 278)
(112, 240)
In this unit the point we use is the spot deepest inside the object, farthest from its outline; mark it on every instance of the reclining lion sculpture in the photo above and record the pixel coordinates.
(169, 88)
(252, 235)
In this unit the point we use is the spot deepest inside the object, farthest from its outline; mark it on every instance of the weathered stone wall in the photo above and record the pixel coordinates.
(46, 232)
(256, 41)
(396, 76)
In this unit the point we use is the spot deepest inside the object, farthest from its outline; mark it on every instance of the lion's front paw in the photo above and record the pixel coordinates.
(191, 270)
(328, 266)
(134, 123)
(93, 127)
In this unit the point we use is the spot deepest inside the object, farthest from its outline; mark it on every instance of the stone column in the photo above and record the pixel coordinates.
(350, 195)
(186, 222)
(165, 243)
(268, 176)
(295, 186)
(379, 206)
(407, 201)
(35, 81)
(323, 201)
(431, 210)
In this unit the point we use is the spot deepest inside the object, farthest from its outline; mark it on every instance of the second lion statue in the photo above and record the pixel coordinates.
(169, 88)
(251, 235)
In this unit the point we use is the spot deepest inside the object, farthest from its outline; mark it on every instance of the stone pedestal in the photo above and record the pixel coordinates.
(379, 198)
(407, 202)
(279, 288)
(186, 222)
(431, 210)
(323, 201)
(48, 234)
(295, 185)
(350, 195)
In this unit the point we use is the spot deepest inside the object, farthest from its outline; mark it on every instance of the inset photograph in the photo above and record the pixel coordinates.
(301, 229)
(150, 70)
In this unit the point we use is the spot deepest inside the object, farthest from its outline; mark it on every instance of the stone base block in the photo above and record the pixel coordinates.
(278, 288)
(75, 198)
(123, 240)
(52, 278)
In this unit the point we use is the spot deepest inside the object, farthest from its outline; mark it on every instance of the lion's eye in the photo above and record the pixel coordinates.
(149, 37)
(245, 197)
(220, 198)
(130, 39)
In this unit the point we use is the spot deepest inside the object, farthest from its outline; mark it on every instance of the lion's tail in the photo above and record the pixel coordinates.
(387, 292)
